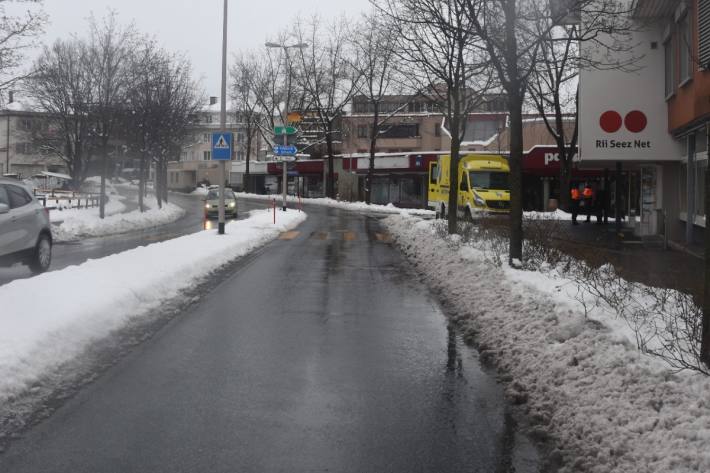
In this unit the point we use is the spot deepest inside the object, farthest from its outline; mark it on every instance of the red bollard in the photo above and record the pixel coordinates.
(274, 201)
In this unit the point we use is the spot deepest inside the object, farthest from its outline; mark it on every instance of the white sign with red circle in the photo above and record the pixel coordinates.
(623, 115)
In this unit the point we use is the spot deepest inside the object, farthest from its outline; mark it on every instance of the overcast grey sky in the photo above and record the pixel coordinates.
(195, 26)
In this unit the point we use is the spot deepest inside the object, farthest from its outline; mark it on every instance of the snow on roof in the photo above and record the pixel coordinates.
(23, 105)
(57, 175)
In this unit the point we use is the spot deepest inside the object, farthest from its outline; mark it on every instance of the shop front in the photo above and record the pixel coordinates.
(399, 179)
(305, 178)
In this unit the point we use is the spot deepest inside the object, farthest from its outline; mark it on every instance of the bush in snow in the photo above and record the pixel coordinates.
(666, 323)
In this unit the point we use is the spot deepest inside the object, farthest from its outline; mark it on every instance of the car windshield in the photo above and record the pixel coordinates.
(489, 180)
(214, 194)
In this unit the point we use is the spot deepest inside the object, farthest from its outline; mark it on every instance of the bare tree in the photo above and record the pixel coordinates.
(436, 39)
(160, 106)
(18, 33)
(246, 105)
(63, 86)
(376, 63)
(553, 87)
(327, 78)
(554, 91)
(509, 35)
(110, 48)
(179, 97)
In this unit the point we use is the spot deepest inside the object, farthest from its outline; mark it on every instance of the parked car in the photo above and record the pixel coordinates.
(25, 232)
(212, 203)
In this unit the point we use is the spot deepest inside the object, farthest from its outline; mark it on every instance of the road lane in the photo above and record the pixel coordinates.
(324, 353)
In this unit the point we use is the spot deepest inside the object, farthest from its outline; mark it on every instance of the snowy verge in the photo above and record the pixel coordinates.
(39, 334)
(606, 406)
(63, 211)
(86, 223)
(351, 206)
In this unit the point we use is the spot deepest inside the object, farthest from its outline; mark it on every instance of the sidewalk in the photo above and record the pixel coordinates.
(635, 259)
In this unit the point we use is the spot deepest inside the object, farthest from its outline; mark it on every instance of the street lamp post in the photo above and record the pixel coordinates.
(284, 164)
(223, 122)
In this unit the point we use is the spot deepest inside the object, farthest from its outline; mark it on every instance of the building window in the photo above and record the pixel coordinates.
(404, 130)
(362, 131)
(704, 33)
(670, 67)
(206, 155)
(26, 124)
(685, 58)
(206, 138)
(24, 148)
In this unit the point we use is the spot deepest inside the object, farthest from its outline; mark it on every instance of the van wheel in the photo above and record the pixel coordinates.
(467, 216)
(42, 256)
(443, 211)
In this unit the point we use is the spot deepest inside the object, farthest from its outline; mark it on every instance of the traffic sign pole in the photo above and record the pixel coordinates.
(223, 123)
(285, 172)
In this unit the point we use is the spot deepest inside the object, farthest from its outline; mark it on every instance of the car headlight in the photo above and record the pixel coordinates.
(207, 206)
(232, 205)
(479, 200)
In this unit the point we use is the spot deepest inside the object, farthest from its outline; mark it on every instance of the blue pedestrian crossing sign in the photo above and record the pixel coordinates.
(221, 146)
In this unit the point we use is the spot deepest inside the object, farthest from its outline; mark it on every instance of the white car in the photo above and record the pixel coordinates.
(25, 231)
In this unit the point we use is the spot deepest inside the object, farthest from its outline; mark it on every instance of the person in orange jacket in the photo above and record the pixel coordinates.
(576, 196)
(588, 196)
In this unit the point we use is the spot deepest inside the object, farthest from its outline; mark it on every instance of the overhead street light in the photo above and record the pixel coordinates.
(284, 165)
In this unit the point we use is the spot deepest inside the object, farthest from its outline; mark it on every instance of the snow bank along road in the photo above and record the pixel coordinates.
(360, 207)
(606, 407)
(40, 334)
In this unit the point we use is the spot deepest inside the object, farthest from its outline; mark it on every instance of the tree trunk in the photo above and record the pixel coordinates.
(330, 185)
(565, 179)
(453, 218)
(454, 177)
(516, 177)
(247, 176)
(705, 341)
(373, 148)
(141, 184)
(104, 172)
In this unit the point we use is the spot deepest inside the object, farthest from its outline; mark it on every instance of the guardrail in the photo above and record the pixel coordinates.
(68, 200)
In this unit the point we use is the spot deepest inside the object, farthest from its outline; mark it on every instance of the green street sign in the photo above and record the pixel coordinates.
(285, 130)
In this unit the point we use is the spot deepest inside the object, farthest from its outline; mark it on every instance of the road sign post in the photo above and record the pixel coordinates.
(222, 142)
(287, 153)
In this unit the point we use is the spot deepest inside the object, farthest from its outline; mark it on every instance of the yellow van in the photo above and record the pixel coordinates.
(483, 184)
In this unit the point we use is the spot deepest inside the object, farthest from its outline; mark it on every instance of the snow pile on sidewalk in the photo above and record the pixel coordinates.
(81, 304)
(351, 206)
(607, 407)
(86, 223)
(201, 191)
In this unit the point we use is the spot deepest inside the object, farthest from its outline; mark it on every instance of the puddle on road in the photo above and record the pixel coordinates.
(517, 453)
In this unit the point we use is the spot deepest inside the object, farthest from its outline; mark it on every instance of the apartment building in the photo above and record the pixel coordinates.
(195, 164)
(649, 125)
(415, 124)
(19, 154)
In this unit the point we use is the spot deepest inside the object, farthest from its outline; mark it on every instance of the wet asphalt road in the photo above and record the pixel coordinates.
(322, 353)
(73, 253)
